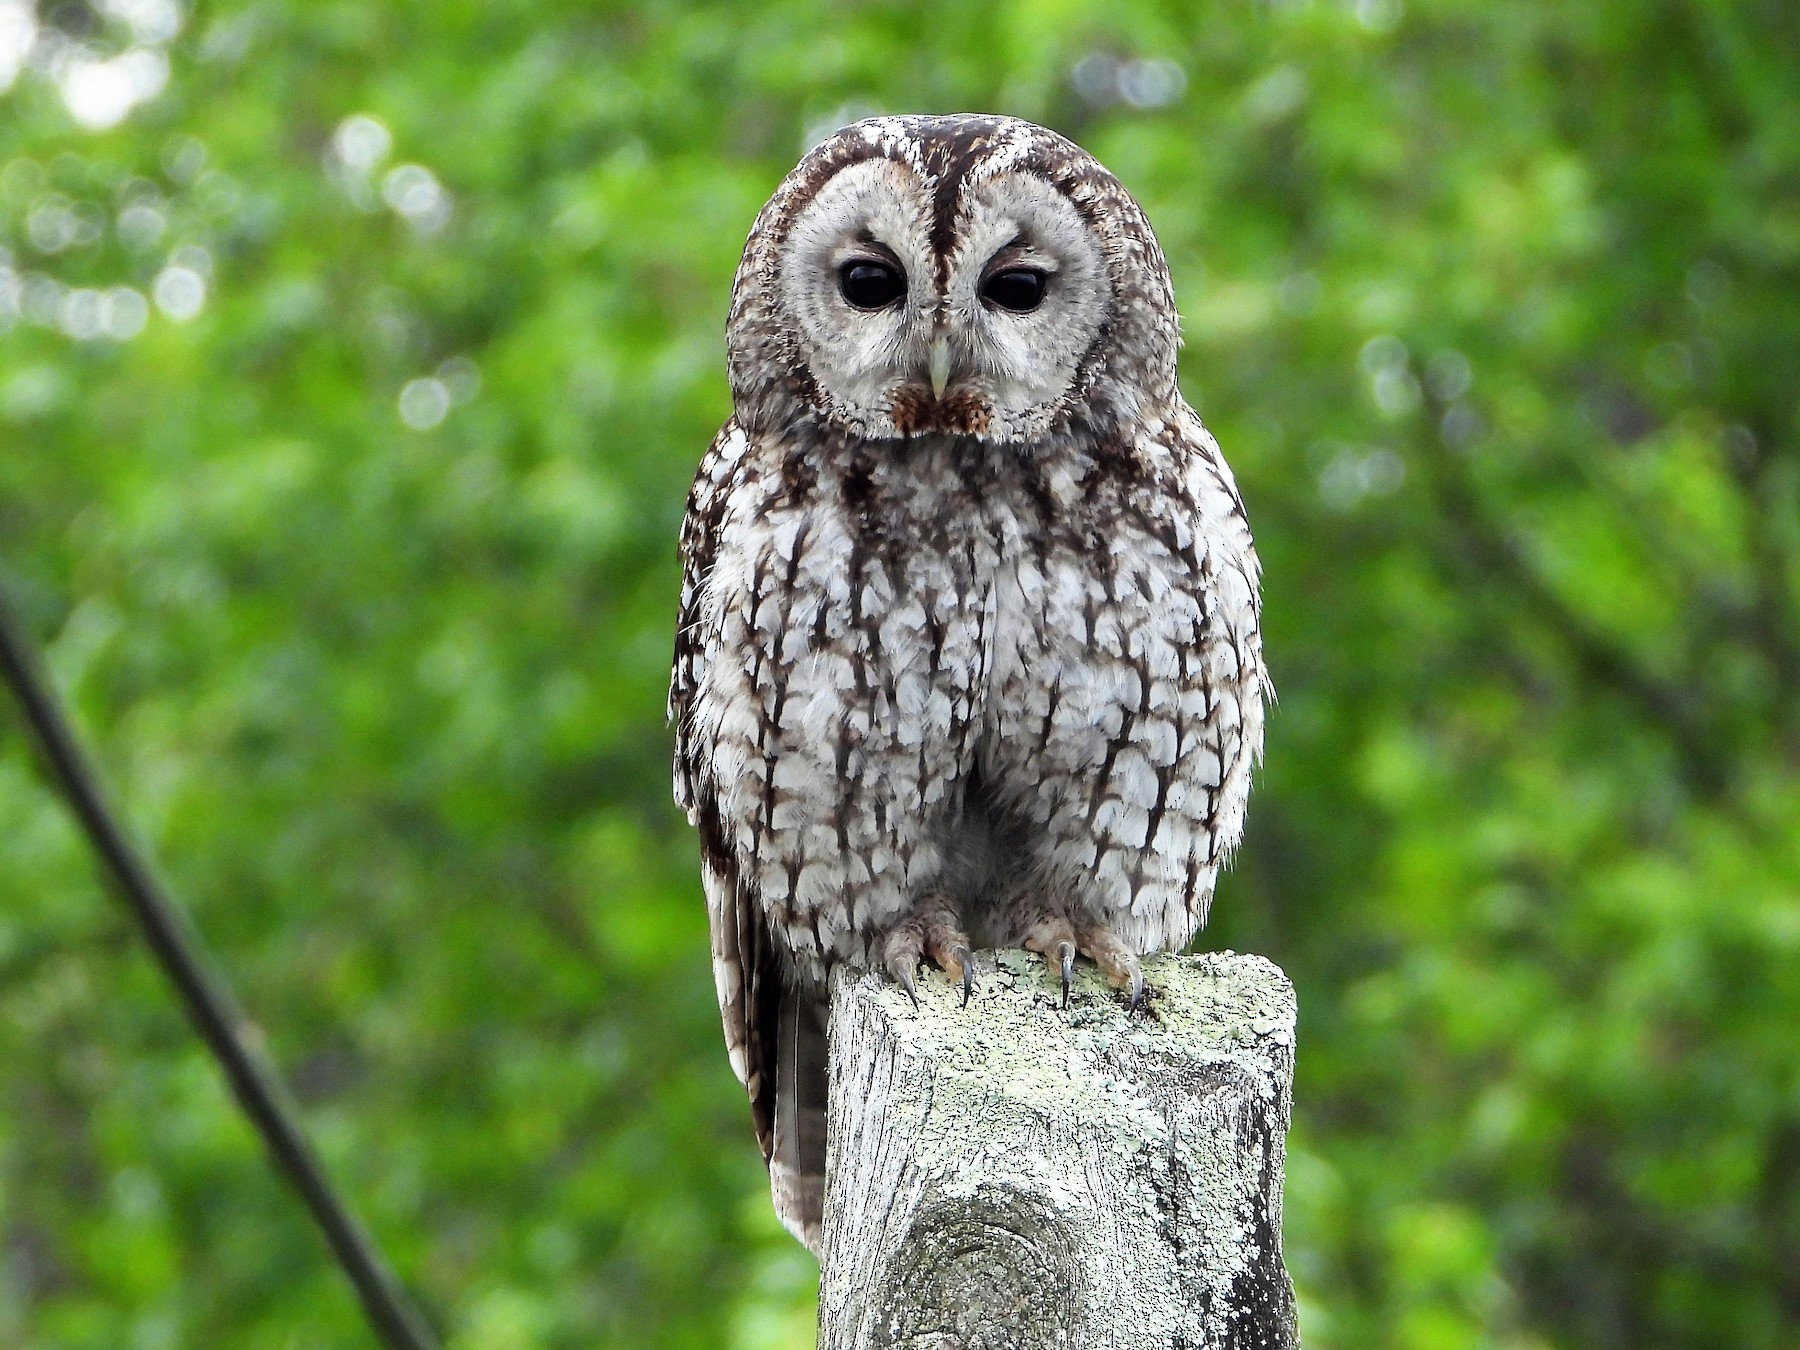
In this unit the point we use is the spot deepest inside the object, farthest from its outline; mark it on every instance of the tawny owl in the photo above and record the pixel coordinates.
(969, 648)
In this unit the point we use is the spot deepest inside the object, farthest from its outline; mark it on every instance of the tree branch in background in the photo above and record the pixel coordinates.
(205, 997)
(1669, 706)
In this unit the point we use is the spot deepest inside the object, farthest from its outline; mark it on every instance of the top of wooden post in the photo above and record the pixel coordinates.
(1014, 1173)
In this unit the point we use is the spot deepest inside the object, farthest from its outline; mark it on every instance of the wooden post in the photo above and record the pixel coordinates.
(1011, 1175)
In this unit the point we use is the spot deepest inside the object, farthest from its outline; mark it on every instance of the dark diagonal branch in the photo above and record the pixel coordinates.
(1601, 661)
(203, 993)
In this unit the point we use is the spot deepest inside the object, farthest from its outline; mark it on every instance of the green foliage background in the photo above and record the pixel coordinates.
(1493, 307)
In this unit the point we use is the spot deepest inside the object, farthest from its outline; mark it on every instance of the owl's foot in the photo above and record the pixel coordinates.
(1058, 942)
(934, 935)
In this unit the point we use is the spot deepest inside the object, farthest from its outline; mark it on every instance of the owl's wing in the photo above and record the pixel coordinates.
(1214, 490)
(706, 505)
(745, 967)
(1239, 684)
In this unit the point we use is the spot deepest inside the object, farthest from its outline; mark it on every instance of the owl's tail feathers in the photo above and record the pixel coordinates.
(797, 1165)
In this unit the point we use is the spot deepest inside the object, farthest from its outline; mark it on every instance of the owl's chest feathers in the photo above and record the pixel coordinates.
(935, 580)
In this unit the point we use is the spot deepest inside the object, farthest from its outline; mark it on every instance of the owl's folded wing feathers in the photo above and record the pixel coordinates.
(744, 961)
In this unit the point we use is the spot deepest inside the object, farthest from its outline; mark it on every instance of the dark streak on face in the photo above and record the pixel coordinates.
(948, 159)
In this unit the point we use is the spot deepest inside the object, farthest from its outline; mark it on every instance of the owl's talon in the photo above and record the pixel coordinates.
(900, 954)
(930, 933)
(1053, 938)
(964, 958)
(1116, 961)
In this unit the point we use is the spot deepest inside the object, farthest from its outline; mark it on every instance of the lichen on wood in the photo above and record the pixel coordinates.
(1016, 1175)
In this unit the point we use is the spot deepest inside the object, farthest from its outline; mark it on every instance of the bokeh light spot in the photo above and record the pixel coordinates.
(180, 292)
(424, 403)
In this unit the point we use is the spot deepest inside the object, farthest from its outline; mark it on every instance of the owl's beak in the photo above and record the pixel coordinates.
(939, 365)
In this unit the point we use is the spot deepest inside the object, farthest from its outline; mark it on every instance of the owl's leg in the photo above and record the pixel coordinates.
(933, 930)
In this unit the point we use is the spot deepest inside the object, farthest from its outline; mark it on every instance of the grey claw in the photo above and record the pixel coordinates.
(966, 960)
(1137, 990)
(903, 972)
(1066, 950)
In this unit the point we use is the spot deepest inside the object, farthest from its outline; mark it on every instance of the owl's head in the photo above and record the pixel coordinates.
(968, 275)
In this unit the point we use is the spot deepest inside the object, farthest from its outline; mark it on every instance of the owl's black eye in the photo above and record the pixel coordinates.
(871, 285)
(1020, 289)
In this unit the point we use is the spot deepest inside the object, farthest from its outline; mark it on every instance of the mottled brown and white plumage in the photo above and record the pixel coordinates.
(968, 652)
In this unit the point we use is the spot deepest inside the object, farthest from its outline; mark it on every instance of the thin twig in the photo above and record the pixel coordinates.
(205, 997)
